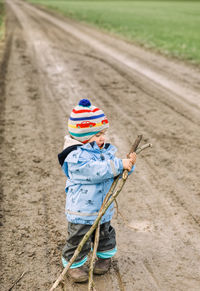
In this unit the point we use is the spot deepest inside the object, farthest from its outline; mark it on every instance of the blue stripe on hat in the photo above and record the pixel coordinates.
(87, 118)
(83, 134)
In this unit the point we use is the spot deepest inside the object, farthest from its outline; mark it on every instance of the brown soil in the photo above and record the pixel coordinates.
(49, 64)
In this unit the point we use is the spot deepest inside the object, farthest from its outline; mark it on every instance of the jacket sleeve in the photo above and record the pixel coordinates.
(131, 171)
(92, 172)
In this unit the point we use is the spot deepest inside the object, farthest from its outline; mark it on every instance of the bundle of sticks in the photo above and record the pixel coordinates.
(114, 191)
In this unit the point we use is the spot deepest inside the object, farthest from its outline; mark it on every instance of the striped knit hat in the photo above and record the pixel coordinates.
(86, 120)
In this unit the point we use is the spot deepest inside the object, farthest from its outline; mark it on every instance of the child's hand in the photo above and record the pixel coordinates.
(132, 157)
(127, 164)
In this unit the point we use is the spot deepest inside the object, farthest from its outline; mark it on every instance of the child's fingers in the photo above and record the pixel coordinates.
(132, 157)
(130, 166)
(128, 163)
(133, 161)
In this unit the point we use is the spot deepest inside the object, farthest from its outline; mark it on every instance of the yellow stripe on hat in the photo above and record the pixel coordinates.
(97, 124)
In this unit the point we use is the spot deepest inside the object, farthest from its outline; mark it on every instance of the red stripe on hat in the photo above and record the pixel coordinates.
(85, 110)
(85, 141)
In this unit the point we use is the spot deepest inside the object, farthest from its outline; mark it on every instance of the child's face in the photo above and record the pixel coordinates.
(100, 138)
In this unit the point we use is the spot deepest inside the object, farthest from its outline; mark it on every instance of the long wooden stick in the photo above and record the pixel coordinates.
(96, 240)
(93, 227)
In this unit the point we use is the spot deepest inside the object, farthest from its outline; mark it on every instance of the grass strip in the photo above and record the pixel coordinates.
(2, 20)
(170, 27)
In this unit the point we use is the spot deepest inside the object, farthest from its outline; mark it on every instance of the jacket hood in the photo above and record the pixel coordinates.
(68, 141)
(70, 145)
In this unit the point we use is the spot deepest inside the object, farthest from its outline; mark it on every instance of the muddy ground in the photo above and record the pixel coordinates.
(49, 64)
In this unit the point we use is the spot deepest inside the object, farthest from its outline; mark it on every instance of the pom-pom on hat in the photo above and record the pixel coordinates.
(86, 120)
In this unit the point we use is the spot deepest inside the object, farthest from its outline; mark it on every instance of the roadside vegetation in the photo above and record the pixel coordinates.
(2, 31)
(170, 27)
(2, 20)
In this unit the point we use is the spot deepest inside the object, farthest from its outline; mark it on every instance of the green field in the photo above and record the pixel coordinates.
(171, 27)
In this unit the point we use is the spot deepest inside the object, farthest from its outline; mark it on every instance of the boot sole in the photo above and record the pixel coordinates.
(100, 272)
(79, 280)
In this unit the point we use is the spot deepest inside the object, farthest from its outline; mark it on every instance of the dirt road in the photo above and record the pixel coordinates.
(49, 64)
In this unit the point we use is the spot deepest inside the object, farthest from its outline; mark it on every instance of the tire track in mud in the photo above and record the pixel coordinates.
(3, 70)
(65, 71)
(30, 241)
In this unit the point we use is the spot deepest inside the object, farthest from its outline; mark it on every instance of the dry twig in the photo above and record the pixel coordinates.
(16, 281)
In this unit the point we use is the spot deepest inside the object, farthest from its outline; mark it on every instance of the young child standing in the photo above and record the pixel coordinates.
(90, 166)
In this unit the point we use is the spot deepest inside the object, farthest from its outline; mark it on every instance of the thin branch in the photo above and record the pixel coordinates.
(124, 220)
(96, 243)
(96, 240)
(16, 281)
(136, 143)
(145, 146)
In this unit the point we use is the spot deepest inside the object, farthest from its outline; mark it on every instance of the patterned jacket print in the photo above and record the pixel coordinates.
(90, 172)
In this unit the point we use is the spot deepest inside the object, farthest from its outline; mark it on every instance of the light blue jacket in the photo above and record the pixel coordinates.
(90, 172)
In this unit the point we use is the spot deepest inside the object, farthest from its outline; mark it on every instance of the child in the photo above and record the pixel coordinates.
(90, 166)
